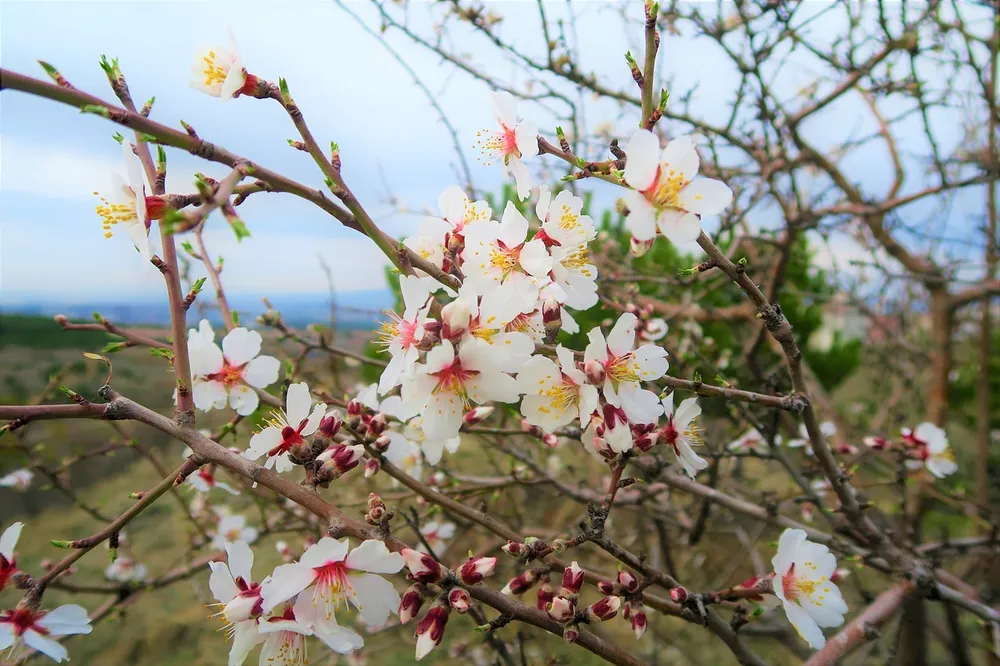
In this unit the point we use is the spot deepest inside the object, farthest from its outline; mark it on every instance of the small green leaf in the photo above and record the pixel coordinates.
(113, 347)
(236, 318)
(239, 229)
(117, 136)
(197, 286)
(60, 544)
(96, 109)
(283, 87)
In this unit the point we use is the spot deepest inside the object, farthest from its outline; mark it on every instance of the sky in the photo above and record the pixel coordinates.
(350, 90)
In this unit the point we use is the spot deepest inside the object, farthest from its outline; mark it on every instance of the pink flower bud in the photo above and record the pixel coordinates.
(423, 568)
(430, 631)
(605, 609)
(561, 609)
(638, 247)
(411, 602)
(545, 594)
(354, 409)
(839, 575)
(603, 448)
(438, 479)
(572, 579)
(595, 372)
(628, 581)
(431, 328)
(550, 440)
(518, 585)
(679, 594)
(376, 426)
(606, 587)
(638, 618)
(382, 443)
(372, 467)
(514, 549)
(459, 599)
(571, 634)
(455, 318)
(877, 443)
(551, 313)
(477, 414)
(476, 569)
(330, 425)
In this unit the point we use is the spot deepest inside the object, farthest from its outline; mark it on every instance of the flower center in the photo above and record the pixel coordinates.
(504, 258)
(561, 397)
(23, 619)
(289, 437)
(332, 586)
(567, 218)
(492, 144)
(452, 379)
(397, 331)
(578, 259)
(115, 213)
(623, 368)
(230, 375)
(795, 586)
(213, 72)
(665, 189)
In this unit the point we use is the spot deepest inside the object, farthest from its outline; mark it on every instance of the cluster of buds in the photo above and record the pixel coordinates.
(647, 326)
(546, 438)
(531, 549)
(304, 452)
(335, 462)
(377, 513)
(562, 608)
(635, 613)
(366, 423)
(644, 436)
(625, 590)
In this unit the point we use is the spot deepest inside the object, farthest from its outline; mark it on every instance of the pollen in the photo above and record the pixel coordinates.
(214, 73)
(115, 213)
(693, 434)
(666, 189)
(577, 259)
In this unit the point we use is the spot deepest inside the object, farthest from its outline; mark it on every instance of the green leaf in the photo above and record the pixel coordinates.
(198, 284)
(117, 136)
(239, 228)
(113, 347)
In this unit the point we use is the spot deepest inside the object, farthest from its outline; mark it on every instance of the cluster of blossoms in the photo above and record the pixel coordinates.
(924, 446)
(19, 479)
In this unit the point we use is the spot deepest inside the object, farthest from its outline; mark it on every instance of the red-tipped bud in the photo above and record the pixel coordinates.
(476, 569)
(532, 430)
(411, 602)
(595, 372)
(572, 579)
(550, 440)
(545, 594)
(603, 448)
(455, 318)
(561, 609)
(459, 599)
(637, 616)
(372, 467)
(330, 425)
(381, 444)
(376, 514)
(628, 581)
(438, 479)
(638, 247)
(645, 443)
(477, 414)
(877, 443)
(571, 634)
(518, 585)
(514, 549)
(679, 594)
(430, 631)
(605, 609)
(354, 409)
(423, 568)
(156, 207)
(839, 575)
(376, 426)
(606, 587)
(340, 459)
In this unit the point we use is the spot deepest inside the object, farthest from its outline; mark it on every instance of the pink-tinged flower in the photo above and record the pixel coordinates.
(625, 369)
(125, 570)
(437, 535)
(751, 440)
(682, 432)
(477, 415)
(284, 639)
(8, 563)
(802, 582)
(608, 433)
(561, 609)
(204, 480)
(930, 445)
(445, 385)
(655, 329)
(19, 479)
(287, 429)
(335, 577)
(628, 581)
(574, 277)
(337, 461)
(605, 609)
(877, 443)
(128, 206)
(423, 568)
(219, 71)
(562, 220)
(498, 256)
(228, 375)
(459, 600)
(520, 584)
(555, 395)
(636, 614)
(666, 196)
(476, 569)
(233, 528)
(430, 631)
(486, 319)
(572, 579)
(827, 428)
(436, 233)
(513, 142)
(409, 605)
(399, 336)
(233, 587)
(24, 626)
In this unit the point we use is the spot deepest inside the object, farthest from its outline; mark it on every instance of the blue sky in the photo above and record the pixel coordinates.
(350, 90)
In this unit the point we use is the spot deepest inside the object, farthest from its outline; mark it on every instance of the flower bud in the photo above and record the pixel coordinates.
(605, 609)
(337, 461)
(638, 247)
(595, 372)
(330, 425)
(438, 479)
(638, 618)
(476, 569)
(411, 602)
(514, 549)
(572, 579)
(551, 318)
(877, 443)
(372, 467)
(571, 633)
(518, 585)
(455, 318)
(301, 453)
(354, 410)
(423, 568)
(459, 600)
(382, 443)
(679, 594)
(603, 448)
(545, 594)
(243, 607)
(477, 414)
(376, 426)
(550, 440)
(628, 581)
(376, 514)
(561, 609)
(430, 631)
(606, 587)
(839, 575)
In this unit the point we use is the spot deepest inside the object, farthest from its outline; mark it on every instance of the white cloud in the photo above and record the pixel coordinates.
(47, 170)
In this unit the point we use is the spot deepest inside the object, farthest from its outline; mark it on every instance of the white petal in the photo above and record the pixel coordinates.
(8, 540)
(324, 551)
(504, 107)
(297, 403)
(245, 637)
(686, 412)
(622, 336)
(678, 226)
(221, 583)
(235, 79)
(535, 259)
(680, 158)
(315, 417)
(522, 178)
(641, 220)
(415, 294)
(377, 598)
(243, 400)
(805, 625)
(66, 620)
(7, 637)
(452, 204)
(206, 357)
(262, 371)
(705, 196)
(207, 394)
(640, 405)
(443, 415)
(642, 159)
(526, 138)
(286, 581)
(513, 226)
(240, 559)
(263, 441)
(241, 345)
(46, 646)
(374, 557)
(440, 357)
(597, 348)
(788, 545)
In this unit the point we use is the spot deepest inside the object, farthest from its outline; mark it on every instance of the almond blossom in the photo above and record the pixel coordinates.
(284, 639)
(574, 276)
(19, 479)
(931, 446)
(234, 588)
(666, 197)
(561, 218)
(8, 564)
(229, 375)
(682, 432)
(34, 628)
(436, 233)
(828, 428)
(128, 205)
(204, 481)
(432, 447)
(399, 336)
(329, 575)
(486, 319)
(437, 535)
(625, 368)
(498, 256)
(802, 571)
(751, 440)
(513, 142)
(555, 395)
(287, 429)
(125, 570)
(608, 433)
(404, 454)
(446, 384)
(233, 528)
(218, 71)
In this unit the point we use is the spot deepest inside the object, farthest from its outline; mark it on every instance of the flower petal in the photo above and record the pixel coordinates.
(240, 559)
(622, 336)
(374, 557)
(377, 598)
(286, 581)
(705, 196)
(9, 540)
(297, 403)
(642, 159)
(262, 371)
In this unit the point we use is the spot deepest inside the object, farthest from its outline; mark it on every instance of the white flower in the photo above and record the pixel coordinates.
(513, 142)
(337, 577)
(218, 71)
(496, 257)
(561, 219)
(682, 431)
(233, 528)
(625, 368)
(828, 428)
(124, 569)
(23, 626)
(575, 276)
(19, 479)
(932, 447)
(751, 440)
(457, 212)
(285, 640)
(8, 563)
(446, 385)
(204, 480)
(287, 429)
(608, 433)
(437, 536)
(666, 196)
(655, 329)
(234, 588)
(399, 336)
(802, 582)
(228, 375)
(125, 205)
(405, 454)
(555, 394)
(433, 448)
(486, 319)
